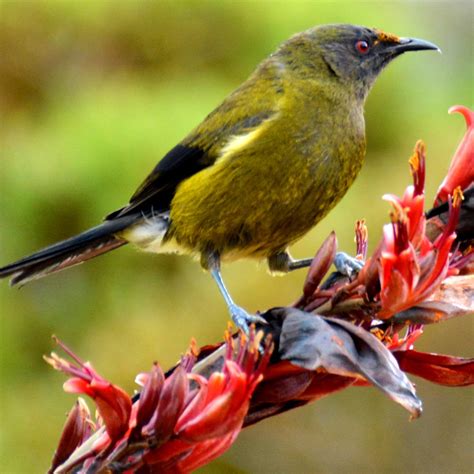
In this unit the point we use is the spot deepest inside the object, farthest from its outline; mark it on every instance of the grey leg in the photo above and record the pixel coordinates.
(241, 318)
(283, 263)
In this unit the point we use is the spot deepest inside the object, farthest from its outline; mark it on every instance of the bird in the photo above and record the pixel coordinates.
(259, 171)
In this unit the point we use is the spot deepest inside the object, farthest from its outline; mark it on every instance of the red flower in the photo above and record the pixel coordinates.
(408, 275)
(215, 411)
(178, 423)
(410, 267)
(113, 404)
(461, 170)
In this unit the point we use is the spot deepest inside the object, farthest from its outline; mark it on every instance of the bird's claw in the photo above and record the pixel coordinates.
(347, 265)
(243, 320)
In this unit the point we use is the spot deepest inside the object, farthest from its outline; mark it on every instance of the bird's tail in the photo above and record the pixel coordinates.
(67, 253)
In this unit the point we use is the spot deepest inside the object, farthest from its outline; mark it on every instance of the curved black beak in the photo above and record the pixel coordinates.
(413, 44)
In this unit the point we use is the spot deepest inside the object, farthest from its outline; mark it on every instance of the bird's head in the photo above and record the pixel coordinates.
(352, 54)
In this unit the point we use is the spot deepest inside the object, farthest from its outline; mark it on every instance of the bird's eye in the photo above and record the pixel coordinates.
(362, 46)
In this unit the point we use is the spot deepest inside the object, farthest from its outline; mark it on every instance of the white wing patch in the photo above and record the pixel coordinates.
(237, 143)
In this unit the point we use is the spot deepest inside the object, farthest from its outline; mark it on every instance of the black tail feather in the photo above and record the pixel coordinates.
(67, 253)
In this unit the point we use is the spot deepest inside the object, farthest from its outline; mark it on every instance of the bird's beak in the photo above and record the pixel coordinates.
(412, 44)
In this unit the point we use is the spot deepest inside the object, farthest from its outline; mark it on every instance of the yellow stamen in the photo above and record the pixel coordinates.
(415, 159)
(398, 214)
(228, 335)
(458, 196)
(258, 339)
(414, 162)
(193, 349)
(378, 333)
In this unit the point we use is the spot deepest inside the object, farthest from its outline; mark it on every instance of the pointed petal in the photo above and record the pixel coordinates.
(76, 430)
(395, 296)
(149, 397)
(206, 451)
(461, 169)
(320, 265)
(171, 404)
(77, 385)
(441, 369)
(220, 417)
(114, 406)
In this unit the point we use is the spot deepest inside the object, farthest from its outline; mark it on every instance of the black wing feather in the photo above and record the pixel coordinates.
(158, 189)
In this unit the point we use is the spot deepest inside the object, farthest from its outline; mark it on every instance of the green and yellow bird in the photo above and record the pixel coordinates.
(260, 170)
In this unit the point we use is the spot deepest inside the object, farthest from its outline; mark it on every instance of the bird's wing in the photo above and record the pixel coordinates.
(242, 113)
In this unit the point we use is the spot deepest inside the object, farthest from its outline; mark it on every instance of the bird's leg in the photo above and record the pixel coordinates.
(283, 262)
(241, 318)
(347, 265)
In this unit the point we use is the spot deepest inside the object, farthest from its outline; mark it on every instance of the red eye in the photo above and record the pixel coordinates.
(362, 46)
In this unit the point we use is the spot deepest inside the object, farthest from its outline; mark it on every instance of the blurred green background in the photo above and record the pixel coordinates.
(92, 94)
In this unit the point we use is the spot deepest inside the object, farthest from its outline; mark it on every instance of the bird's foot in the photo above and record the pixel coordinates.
(242, 319)
(347, 265)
